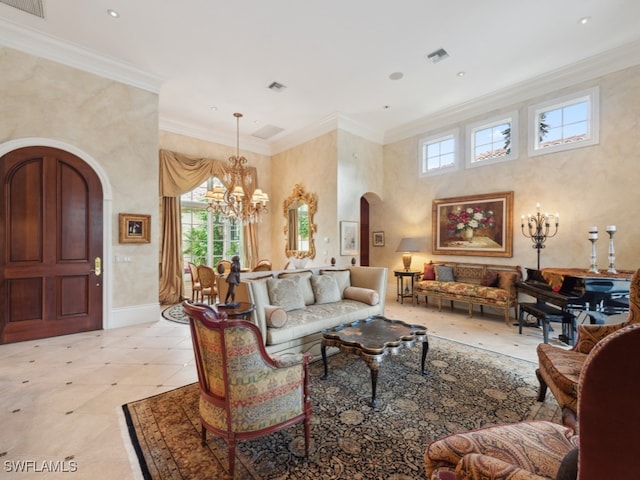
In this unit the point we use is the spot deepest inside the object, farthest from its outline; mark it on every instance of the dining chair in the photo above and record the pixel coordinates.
(223, 267)
(196, 288)
(207, 278)
(263, 265)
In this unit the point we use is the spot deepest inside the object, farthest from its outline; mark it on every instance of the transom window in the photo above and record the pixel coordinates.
(207, 237)
(438, 154)
(493, 141)
(565, 123)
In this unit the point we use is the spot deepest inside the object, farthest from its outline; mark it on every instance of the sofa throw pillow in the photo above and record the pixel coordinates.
(285, 293)
(364, 295)
(325, 289)
(506, 280)
(276, 316)
(429, 272)
(343, 277)
(444, 273)
(305, 284)
(489, 279)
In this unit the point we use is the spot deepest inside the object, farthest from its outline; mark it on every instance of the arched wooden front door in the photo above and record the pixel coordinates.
(50, 245)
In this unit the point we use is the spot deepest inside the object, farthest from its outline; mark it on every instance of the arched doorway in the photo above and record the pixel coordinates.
(51, 244)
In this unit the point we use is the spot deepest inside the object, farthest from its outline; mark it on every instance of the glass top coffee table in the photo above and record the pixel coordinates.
(371, 339)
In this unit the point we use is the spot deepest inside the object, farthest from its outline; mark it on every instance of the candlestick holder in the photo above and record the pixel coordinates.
(593, 238)
(611, 230)
(538, 229)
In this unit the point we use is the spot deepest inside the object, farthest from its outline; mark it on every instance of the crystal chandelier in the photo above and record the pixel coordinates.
(234, 200)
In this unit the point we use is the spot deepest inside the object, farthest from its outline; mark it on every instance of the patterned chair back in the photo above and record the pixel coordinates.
(241, 390)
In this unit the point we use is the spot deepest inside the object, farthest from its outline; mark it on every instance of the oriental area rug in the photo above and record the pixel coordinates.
(464, 388)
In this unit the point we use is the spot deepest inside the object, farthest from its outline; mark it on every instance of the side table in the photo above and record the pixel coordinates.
(403, 288)
(242, 311)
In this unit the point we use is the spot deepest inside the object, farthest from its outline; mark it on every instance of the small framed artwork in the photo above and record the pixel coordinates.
(474, 225)
(135, 228)
(349, 238)
(378, 239)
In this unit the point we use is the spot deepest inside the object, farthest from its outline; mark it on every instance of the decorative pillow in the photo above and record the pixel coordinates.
(276, 316)
(285, 293)
(429, 272)
(343, 277)
(305, 284)
(489, 279)
(444, 273)
(506, 280)
(325, 288)
(364, 295)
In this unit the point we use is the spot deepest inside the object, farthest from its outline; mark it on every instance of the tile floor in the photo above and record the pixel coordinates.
(60, 398)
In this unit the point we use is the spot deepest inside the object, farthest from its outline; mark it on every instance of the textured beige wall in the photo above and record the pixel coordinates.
(595, 185)
(312, 165)
(117, 125)
(201, 148)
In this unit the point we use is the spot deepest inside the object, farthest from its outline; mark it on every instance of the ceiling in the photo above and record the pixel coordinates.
(334, 57)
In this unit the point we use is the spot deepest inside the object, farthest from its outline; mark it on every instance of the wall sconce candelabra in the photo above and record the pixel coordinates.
(538, 228)
(235, 200)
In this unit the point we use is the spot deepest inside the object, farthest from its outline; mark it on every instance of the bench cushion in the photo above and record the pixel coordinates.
(462, 291)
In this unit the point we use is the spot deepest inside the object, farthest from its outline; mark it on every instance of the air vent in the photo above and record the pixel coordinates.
(438, 55)
(276, 87)
(267, 131)
(34, 7)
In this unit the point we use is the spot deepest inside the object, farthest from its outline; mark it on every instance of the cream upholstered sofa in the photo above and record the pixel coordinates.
(292, 307)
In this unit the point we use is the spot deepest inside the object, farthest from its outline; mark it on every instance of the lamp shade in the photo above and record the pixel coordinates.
(407, 245)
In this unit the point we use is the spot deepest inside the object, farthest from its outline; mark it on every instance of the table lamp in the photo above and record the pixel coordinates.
(407, 245)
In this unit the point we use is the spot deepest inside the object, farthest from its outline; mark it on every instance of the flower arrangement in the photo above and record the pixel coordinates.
(470, 217)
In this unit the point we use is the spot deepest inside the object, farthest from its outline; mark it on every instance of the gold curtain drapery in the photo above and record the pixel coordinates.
(180, 174)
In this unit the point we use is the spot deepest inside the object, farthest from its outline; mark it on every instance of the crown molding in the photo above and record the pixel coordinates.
(250, 144)
(593, 67)
(335, 121)
(42, 45)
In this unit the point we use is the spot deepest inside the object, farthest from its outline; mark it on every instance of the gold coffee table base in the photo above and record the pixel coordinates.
(371, 339)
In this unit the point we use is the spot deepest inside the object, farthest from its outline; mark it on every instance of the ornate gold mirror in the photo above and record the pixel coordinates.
(299, 209)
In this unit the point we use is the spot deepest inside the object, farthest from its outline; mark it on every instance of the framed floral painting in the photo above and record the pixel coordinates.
(480, 225)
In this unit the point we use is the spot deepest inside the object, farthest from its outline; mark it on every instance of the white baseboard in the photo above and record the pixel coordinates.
(134, 315)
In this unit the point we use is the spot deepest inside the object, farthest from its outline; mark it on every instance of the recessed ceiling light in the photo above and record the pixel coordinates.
(386, 107)
(584, 20)
(396, 75)
(113, 13)
(461, 74)
(213, 109)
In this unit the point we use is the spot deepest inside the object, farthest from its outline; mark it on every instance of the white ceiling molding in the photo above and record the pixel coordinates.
(335, 121)
(247, 143)
(46, 46)
(589, 69)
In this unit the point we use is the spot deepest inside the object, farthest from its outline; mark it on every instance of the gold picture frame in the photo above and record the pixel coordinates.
(134, 228)
(480, 225)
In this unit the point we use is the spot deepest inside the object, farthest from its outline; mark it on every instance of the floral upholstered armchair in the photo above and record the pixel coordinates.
(244, 393)
(560, 369)
(540, 450)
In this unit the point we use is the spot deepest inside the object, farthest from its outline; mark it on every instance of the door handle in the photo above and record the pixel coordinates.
(97, 267)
